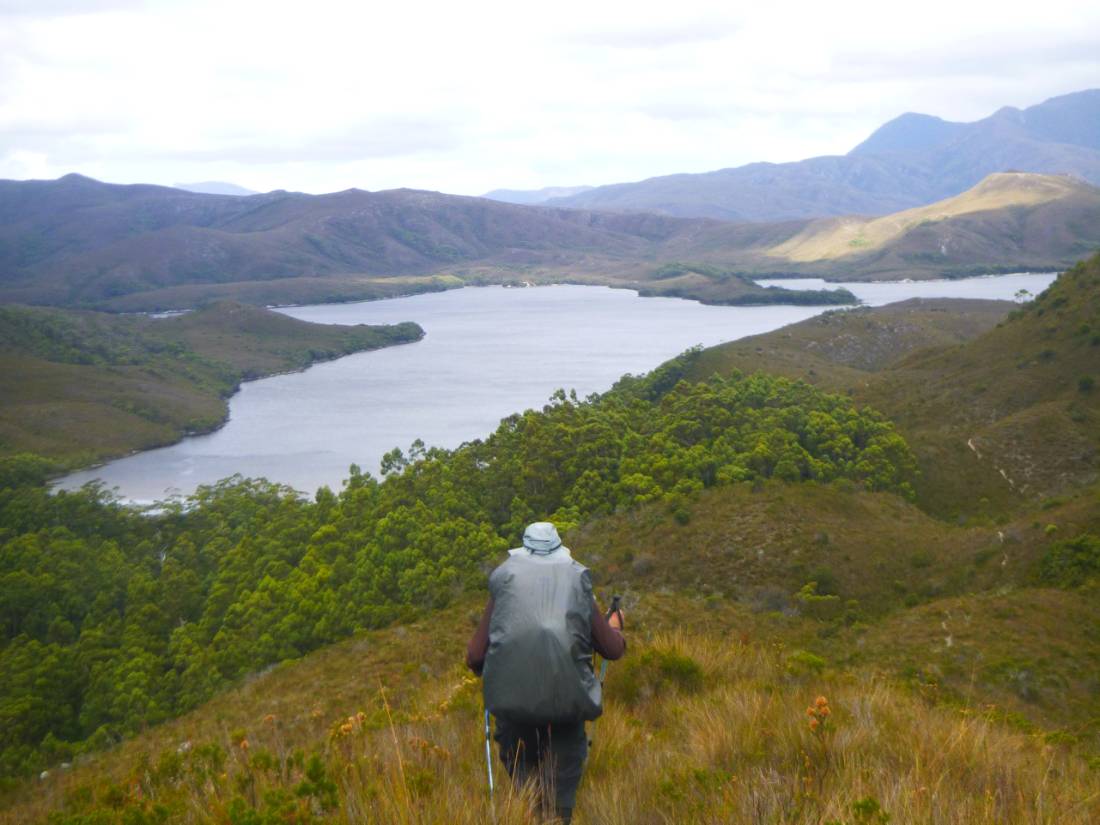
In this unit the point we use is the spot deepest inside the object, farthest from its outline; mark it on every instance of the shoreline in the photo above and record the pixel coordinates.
(52, 481)
(225, 419)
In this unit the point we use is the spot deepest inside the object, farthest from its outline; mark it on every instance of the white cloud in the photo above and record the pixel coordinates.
(21, 165)
(469, 97)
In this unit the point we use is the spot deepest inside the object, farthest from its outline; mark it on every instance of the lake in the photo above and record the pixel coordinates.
(488, 352)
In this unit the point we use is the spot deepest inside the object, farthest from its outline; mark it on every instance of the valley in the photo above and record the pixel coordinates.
(945, 616)
(829, 427)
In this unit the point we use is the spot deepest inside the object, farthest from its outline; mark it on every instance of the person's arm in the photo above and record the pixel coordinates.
(608, 641)
(478, 645)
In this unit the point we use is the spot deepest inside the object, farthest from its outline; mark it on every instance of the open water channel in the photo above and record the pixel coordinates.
(488, 352)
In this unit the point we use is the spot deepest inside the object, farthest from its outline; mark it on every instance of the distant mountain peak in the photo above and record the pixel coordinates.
(534, 196)
(75, 177)
(913, 160)
(909, 132)
(215, 187)
(1008, 114)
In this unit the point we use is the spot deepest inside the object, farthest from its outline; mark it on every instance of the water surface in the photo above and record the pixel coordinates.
(488, 352)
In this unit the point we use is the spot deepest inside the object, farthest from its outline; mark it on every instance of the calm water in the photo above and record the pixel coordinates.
(488, 352)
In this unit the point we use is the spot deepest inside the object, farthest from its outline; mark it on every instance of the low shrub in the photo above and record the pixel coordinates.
(654, 672)
(1071, 563)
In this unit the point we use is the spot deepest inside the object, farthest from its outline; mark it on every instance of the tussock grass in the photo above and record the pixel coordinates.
(736, 746)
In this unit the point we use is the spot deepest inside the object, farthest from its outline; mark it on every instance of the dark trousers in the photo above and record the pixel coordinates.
(551, 755)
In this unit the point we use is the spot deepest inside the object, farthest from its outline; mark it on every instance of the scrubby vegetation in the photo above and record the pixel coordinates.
(112, 620)
(386, 728)
(1073, 563)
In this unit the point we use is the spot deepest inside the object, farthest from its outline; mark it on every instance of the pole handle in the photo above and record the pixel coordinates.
(616, 601)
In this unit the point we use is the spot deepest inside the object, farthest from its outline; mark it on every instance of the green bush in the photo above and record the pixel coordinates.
(822, 607)
(802, 662)
(25, 470)
(656, 670)
(1071, 563)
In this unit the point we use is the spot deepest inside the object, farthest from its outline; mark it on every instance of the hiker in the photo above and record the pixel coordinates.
(533, 648)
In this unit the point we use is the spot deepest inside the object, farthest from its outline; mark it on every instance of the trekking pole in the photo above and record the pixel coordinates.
(489, 762)
(611, 611)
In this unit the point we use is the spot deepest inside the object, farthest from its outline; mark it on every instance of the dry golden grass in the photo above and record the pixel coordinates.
(829, 238)
(736, 745)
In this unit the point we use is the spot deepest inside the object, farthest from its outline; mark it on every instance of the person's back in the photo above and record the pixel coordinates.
(534, 646)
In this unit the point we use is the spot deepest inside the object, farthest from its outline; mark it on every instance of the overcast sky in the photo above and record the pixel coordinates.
(465, 97)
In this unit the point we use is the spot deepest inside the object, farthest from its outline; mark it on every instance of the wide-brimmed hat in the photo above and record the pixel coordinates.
(541, 537)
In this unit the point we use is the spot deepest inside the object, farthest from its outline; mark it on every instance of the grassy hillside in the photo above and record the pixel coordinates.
(82, 386)
(1010, 416)
(1017, 405)
(963, 611)
(386, 728)
(838, 238)
(837, 349)
(1008, 222)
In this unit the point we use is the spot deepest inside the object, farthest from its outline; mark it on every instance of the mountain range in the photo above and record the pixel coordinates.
(910, 161)
(79, 242)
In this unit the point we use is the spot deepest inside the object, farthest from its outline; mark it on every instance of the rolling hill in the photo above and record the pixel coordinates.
(913, 160)
(1008, 222)
(76, 240)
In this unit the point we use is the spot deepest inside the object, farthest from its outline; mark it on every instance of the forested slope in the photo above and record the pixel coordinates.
(130, 619)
